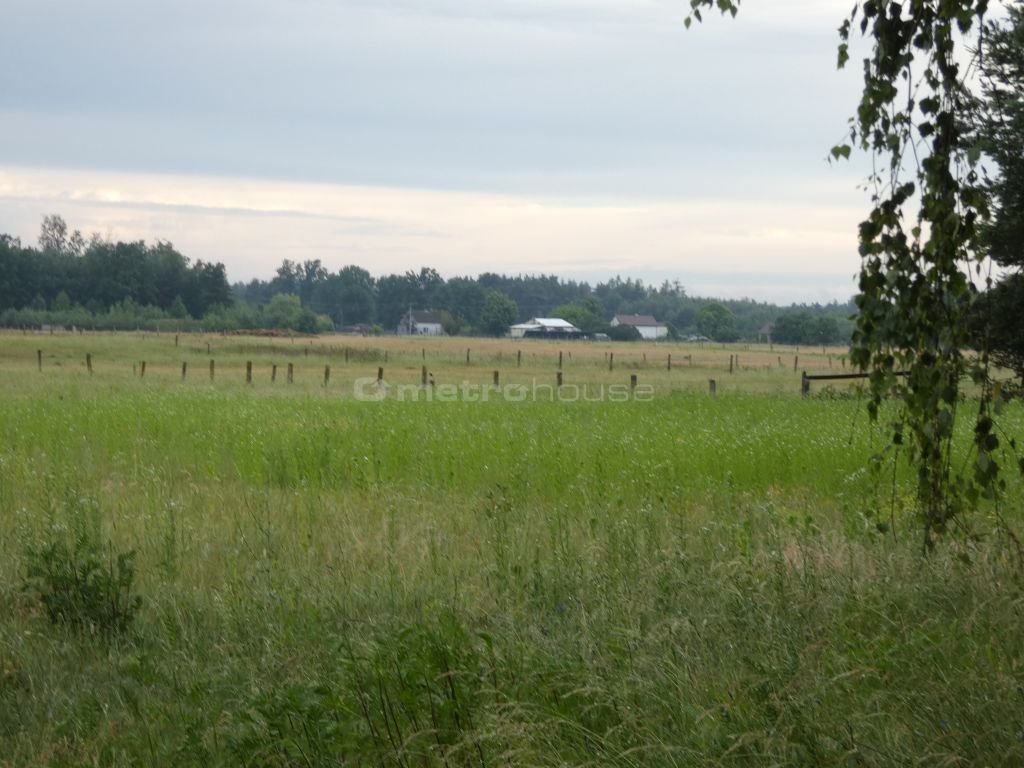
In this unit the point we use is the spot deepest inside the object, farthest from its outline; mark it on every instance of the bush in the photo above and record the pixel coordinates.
(80, 589)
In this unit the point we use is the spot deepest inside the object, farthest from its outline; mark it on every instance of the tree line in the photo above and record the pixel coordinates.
(73, 281)
(68, 280)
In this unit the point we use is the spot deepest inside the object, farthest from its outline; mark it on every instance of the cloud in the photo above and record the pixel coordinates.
(580, 136)
(252, 226)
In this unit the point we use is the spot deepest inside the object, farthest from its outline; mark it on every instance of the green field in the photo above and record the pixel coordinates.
(664, 578)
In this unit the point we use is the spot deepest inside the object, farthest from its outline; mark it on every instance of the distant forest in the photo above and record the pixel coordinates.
(70, 281)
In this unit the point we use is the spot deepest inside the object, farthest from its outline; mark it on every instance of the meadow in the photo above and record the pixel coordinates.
(329, 573)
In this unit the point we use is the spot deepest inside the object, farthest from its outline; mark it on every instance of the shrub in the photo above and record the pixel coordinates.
(81, 589)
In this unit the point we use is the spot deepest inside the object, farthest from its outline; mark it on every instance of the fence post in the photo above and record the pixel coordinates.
(39, 358)
(184, 369)
(611, 361)
(796, 361)
(175, 339)
(713, 387)
(248, 371)
(423, 377)
(805, 385)
(496, 379)
(380, 374)
(207, 348)
(559, 359)
(142, 370)
(291, 373)
(558, 379)
(632, 381)
(88, 363)
(327, 375)
(519, 358)
(670, 361)
(211, 369)
(467, 355)
(730, 363)
(273, 373)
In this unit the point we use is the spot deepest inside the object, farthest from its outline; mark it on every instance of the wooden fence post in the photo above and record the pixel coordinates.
(207, 348)
(184, 369)
(248, 371)
(88, 363)
(611, 361)
(730, 363)
(273, 373)
(558, 379)
(805, 385)
(713, 387)
(632, 381)
(39, 358)
(670, 361)
(496, 379)
(519, 358)
(291, 373)
(211, 369)
(142, 370)
(467, 356)
(796, 361)
(175, 339)
(327, 375)
(559, 359)
(380, 375)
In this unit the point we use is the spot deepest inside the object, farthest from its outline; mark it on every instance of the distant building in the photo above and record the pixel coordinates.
(764, 333)
(648, 327)
(420, 322)
(546, 328)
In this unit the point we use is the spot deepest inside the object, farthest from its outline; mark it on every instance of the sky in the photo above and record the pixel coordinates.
(583, 138)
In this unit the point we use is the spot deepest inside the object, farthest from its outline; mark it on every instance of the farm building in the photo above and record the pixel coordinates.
(545, 328)
(649, 327)
(420, 322)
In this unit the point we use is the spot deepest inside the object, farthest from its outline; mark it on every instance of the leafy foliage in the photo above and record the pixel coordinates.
(716, 322)
(82, 589)
(499, 312)
(915, 291)
(1001, 128)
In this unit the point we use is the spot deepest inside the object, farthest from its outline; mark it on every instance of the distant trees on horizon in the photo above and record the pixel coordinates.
(69, 280)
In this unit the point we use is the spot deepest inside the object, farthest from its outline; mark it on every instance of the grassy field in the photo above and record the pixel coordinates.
(664, 578)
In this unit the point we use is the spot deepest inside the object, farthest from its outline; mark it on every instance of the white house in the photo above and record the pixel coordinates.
(418, 322)
(649, 327)
(545, 328)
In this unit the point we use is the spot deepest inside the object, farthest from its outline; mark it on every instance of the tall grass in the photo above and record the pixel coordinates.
(687, 581)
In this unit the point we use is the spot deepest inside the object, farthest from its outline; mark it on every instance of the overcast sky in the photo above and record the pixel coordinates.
(585, 138)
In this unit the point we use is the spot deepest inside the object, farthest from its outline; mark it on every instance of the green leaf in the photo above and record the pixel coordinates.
(841, 151)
